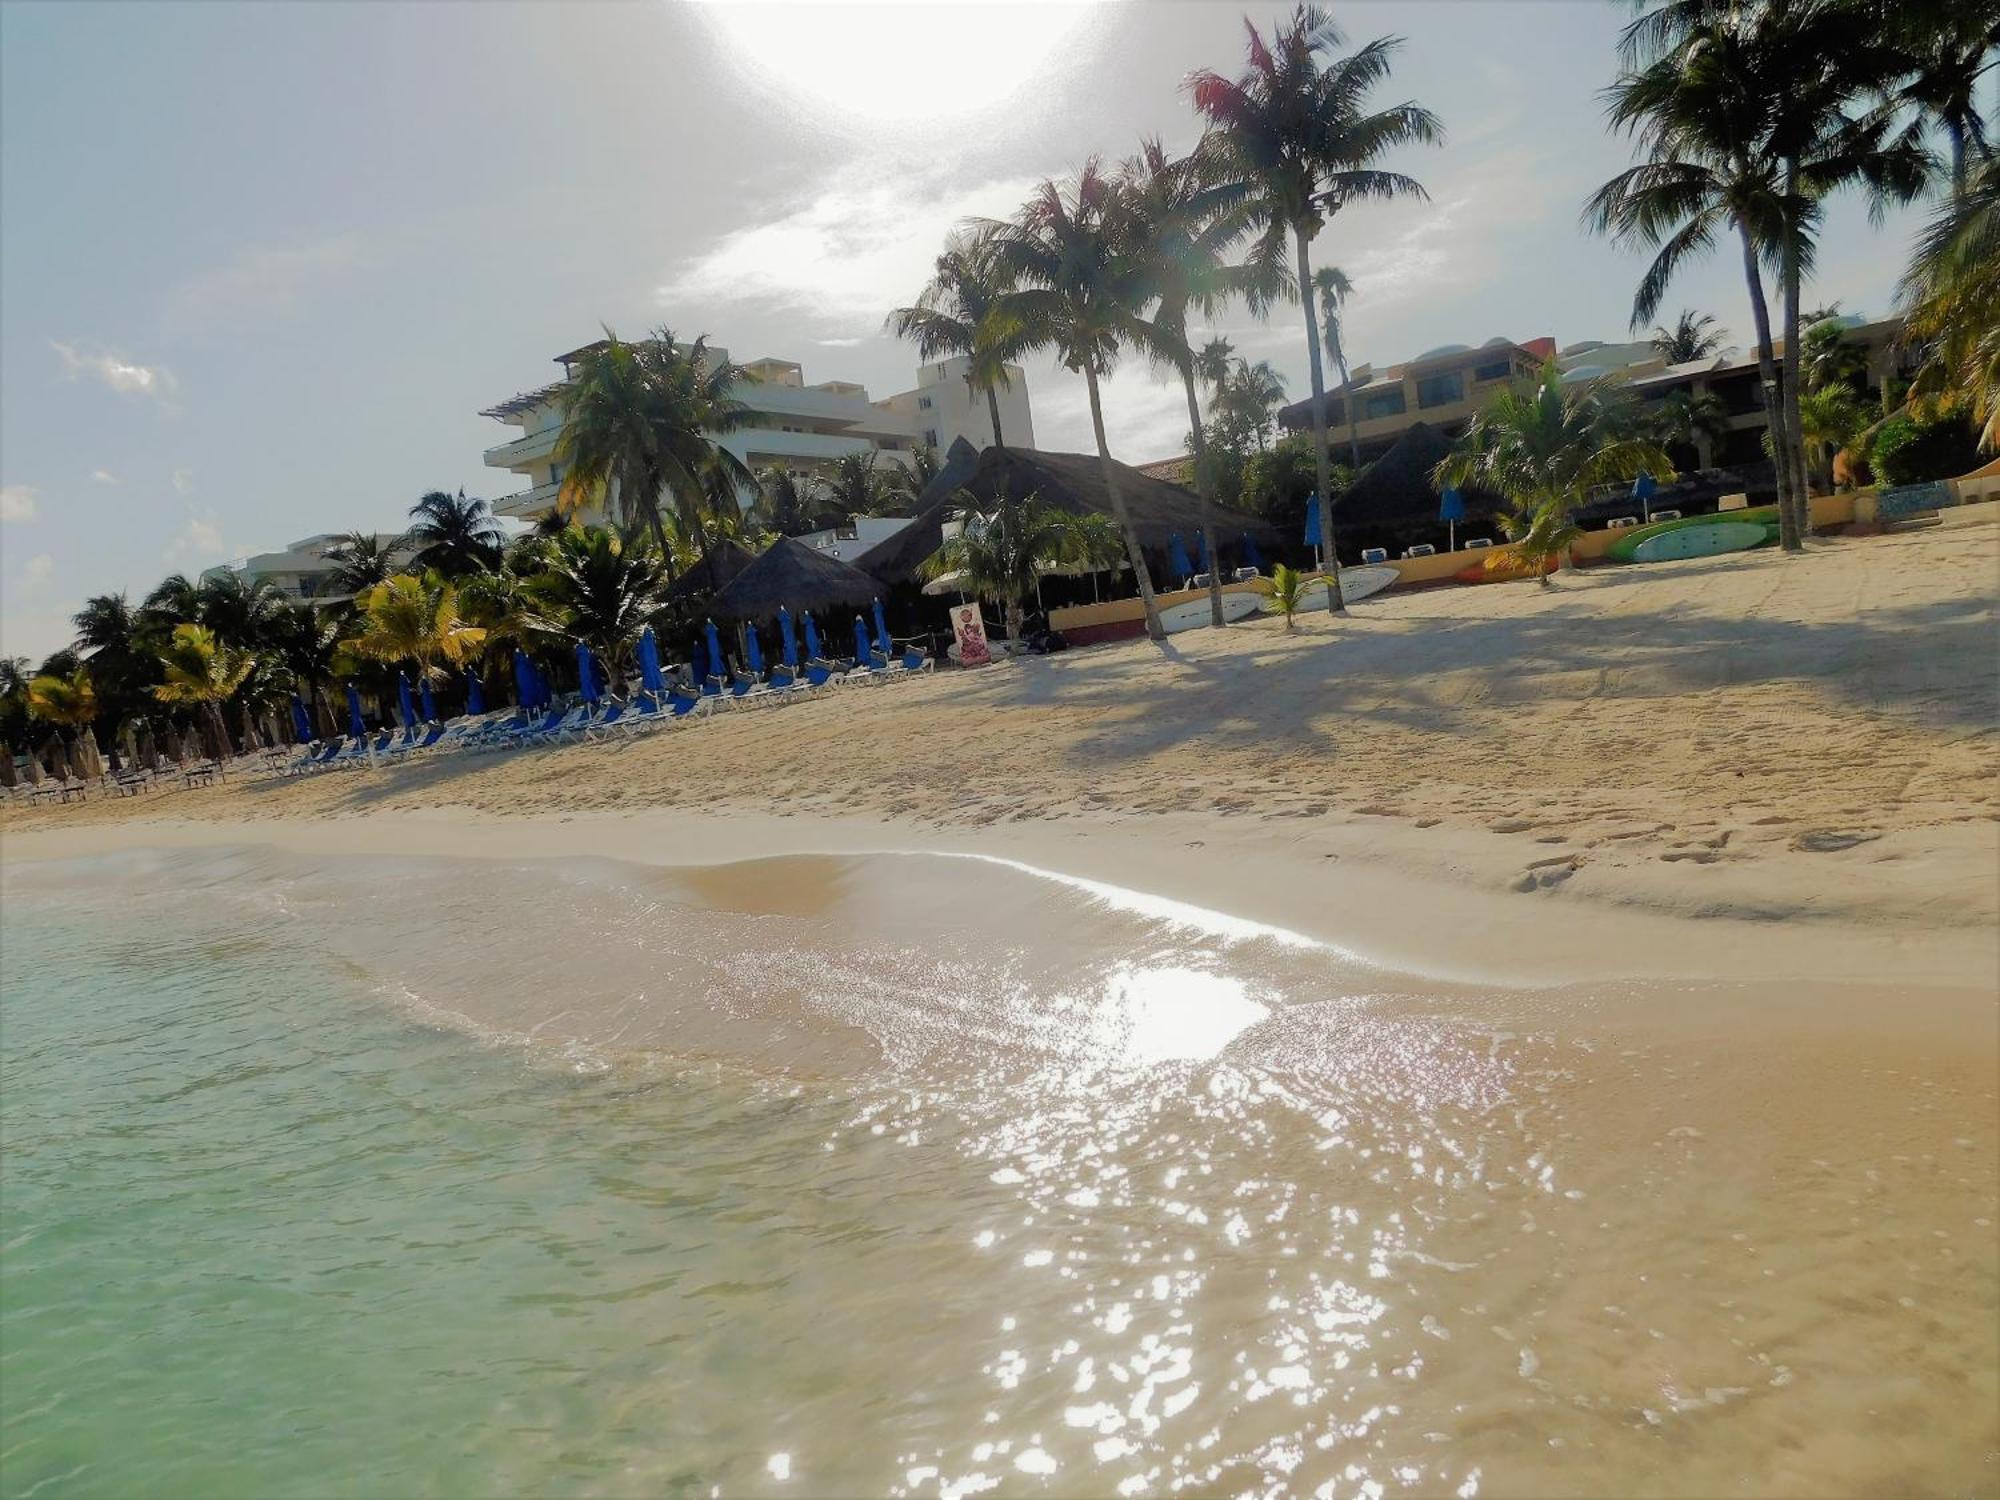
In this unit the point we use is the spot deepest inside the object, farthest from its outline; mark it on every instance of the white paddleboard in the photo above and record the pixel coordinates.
(1196, 613)
(1355, 583)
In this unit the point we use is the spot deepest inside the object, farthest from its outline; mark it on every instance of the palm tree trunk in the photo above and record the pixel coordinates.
(1767, 372)
(1203, 483)
(1329, 563)
(1794, 377)
(993, 410)
(1353, 417)
(1154, 629)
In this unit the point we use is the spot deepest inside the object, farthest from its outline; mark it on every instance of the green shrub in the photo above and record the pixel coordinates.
(1911, 450)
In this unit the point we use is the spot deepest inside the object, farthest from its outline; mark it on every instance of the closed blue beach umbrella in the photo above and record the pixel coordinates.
(1177, 558)
(1451, 510)
(715, 662)
(1201, 556)
(752, 651)
(1643, 490)
(649, 663)
(586, 677)
(1252, 558)
(354, 725)
(1312, 521)
(882, 642)
(430, 703)
(790, 636)
(524, 679)
(302, 728)
(475, 693)
(403, 704)
(813, 653)
(543, 696)
(860, 639)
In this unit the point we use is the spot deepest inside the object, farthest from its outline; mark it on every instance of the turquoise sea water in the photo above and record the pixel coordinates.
(838, 1177)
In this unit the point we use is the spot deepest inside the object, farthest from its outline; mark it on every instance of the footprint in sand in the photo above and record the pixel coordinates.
(1512, 825)
(1699, 856)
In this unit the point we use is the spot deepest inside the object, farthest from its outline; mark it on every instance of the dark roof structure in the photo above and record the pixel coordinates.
(1069, 481)
(712, 574)
(797, 576)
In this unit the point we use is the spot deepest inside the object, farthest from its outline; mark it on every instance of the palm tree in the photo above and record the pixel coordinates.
(360, 561)
(69, 702)
(1543, 445)
(1952, 292)
(305, 643)
(1690, 419)
(905, 484)
(174, 600)
(111, 636)
(857, 485)
(1288, 587)
(1334, 289)
(202, 673)
(601, 590)
(781, 503)
(1249, 400)
(1078, 286)
(1213, 361)
(1946, 47)
(454, 535)
(1827, 356)
(953, 315)
(1088, 542)
(1293, 135)
(241, 612)
(415, 620)
(1002, 556)
(1830, 418)
(1693, 336)
(1186, 223)
(640, 422)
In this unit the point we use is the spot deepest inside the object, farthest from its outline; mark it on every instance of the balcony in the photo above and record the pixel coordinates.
(529, 503)
(523, 451)
(756, 444)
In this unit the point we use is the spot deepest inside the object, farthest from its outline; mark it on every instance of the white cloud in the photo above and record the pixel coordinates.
(104, 476)
(199, 540)
(38, 569)
(127, 377)
(845, 258)
(18, 502)
(183, 481)
(266, 282)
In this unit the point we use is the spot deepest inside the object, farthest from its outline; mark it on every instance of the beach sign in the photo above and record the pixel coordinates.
(970, 631)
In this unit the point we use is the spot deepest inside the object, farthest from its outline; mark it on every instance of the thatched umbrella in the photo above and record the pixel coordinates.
(797, 576)
(170, 745)
(712, 574)
(93, 758)
(33, 769)
(7, 776)
(252, 741)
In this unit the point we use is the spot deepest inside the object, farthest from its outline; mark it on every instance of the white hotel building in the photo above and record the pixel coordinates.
(802, 428)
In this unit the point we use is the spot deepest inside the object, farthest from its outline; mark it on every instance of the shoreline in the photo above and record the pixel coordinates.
(1368, 892)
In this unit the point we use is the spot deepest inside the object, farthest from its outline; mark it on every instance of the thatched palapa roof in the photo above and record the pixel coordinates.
(725, 560)
(797, 576)
(1069, 481)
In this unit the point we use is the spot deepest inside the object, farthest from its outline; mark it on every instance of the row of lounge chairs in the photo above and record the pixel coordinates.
(682, 703)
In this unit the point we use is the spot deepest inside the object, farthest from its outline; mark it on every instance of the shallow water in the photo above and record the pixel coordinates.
(927, 1176)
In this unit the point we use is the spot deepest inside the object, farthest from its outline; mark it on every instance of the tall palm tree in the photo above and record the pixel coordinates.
(1827, 356)
(1002, 556)
(1187, 222)
(1952, 293)
(640, 423)
(1078, 287)
(202, 673)
(953, 316)
(1087, 542)
(360, 561)
(112, 637)
(242, 612)
(1690, 419)
(1693, 336)
(1334, 289)
(305, 643)
(906, 483)
(1297, 138)
(454, 534)
(1700, 120)
(1542, 445)
(1947, 47)
(1249, 399)
(417, 620)
(1213, 361)
(782, 503)
(174, 600)
(602, 591)
(857, 485)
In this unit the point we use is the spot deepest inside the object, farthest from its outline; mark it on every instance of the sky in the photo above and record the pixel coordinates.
(261, 265)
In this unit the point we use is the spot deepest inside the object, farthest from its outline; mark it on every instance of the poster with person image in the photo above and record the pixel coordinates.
(970, 631)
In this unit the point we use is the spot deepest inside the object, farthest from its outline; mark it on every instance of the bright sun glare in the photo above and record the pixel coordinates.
(894, 60)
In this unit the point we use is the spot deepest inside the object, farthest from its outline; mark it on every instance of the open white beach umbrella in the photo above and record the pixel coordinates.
(947, 583)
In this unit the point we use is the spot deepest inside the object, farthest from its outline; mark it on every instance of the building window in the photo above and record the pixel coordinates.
(1440, 390)
(1383, 404)
(930, 437)
(923, 403)
(1498, 370)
